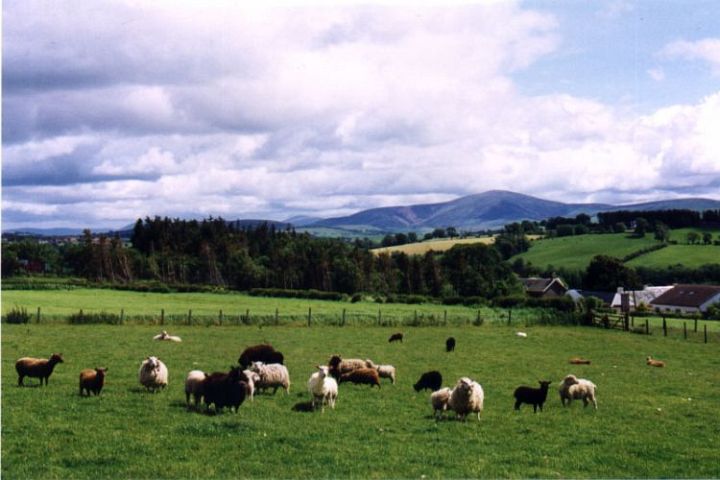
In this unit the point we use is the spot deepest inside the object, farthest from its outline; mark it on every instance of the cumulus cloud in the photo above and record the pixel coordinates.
(707, 50)
(128, 109)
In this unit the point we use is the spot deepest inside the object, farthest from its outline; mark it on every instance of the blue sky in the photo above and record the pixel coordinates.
(114, 110)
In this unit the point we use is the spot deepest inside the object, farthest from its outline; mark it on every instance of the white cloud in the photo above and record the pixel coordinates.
(657, 74)
(707, 50)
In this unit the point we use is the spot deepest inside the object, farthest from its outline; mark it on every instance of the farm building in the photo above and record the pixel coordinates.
(638, 297)
(687, 298)
(577, 295)
(544, 287)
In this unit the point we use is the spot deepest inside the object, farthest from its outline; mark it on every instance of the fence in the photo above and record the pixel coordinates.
(345, 317)
(687, 329)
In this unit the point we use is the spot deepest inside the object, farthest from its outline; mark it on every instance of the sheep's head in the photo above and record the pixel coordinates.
(152, 362)
(323, 370)
(570, 380)
(255, 366)
(544, 384)
(56, 358)
(100, 372)
(334, 361)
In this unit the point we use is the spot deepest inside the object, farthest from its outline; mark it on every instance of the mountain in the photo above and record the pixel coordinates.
(491, 209)
(302, 220)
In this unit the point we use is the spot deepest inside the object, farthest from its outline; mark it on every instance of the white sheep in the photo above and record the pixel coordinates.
(439, 400)
(521, 334)
(194, 386)
(386, 371)
(164, 335)
(323, 388)
(252, 377)
(271, 375)
(153, 374)
(467, 397)
(573, 388)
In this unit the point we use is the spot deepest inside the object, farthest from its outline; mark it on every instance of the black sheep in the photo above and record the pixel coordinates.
(533, 396)
(450, 344)
(259, 353)
(396, 337)
(225, 389)
(431, 380)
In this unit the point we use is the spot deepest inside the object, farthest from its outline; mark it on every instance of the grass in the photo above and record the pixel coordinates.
(659, 423)
(692, 256)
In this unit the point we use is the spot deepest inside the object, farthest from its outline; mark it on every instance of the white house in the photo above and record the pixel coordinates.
(687, 298)
(638, 297)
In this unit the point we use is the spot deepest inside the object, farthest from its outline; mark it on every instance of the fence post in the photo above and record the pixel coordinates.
(220, 317)
(190, 317)
(445, 317)
(309, 315)
(343, 318)
(647, 327)
(664, 328)
(277, 316)
(38, 315)
(379, 317)
(415, 317)
(509, 315)
(162, 316)
(685, 330)
(705, 332)
(247, 316)
(696, 325)
(477, 319)
(632, 322)
(122, 316)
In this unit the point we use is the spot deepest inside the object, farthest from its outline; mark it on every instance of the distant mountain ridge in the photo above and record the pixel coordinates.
(487, 210)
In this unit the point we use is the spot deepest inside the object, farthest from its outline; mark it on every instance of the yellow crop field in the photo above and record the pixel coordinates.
(420, 248)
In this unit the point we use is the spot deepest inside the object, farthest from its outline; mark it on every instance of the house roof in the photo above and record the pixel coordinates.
(644, 296)
(687, 295)
(606, 297)
(540, 285)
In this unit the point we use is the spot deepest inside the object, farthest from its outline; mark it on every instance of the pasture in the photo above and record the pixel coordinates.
(650, 422)
(692, 256)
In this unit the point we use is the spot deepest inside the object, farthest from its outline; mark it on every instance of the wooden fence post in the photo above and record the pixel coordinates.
(38, 315)
(664, 327)
(247, 316)
(162, 316)
(343, 318)
(445, 317)
(415, 318)
(685, 330)
(696, 325)
(190, 317)
(509, 315)
(220, 317)
(122, 316)
(705, 332)
(379, 317)
(309, 315)
(647, 327)
(277, 316)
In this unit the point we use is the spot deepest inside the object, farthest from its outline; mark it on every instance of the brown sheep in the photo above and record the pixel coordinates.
(579, 361)
(92, 380)
(37, 367)
(655, 363)
(396, 337)
(367, 376)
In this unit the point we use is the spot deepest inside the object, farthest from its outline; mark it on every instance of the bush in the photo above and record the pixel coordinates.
(17, 315)
(81, 318)
(357, 297)
(286, 293)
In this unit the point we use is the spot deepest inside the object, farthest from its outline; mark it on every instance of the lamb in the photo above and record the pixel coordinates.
(194, 386)
(654, 363)
(323, 388)
(396, 337)
(467, 397)
(439, 401)
(153, 374)
(92, 380)
(264, 353)
(577, 388)
(164, 335)
(367, 376)
(225, 390)
(272, 375)
(250, 378)
(37, 367)
(431, 380)
(579, 361)
(450, 344)
(521, 334)
(386, 371)
(533, 396)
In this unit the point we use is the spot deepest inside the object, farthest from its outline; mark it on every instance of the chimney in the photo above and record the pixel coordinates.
(620, 290)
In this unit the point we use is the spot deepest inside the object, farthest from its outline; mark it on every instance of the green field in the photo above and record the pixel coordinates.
(658, 423)
(575, 253)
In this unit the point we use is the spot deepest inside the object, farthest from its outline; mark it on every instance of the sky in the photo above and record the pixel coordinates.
(118, 110)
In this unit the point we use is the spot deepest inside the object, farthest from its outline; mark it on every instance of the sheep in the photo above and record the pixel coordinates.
(439, 401)
(577, 388)
(272, 375)
(338, 366)
(450, 344)
(164, 335)
(224, 390)
(467, 397)
(37, 367)
(264, 353)
(323, 388)
(386, 371)
(194, 386)
(250, 378)
(431, 380)
(521, 334)
(153, 374)
(92, 380)
(579, 361)
(533, 396)
(396, 337)
(366, 376)
(654, 363)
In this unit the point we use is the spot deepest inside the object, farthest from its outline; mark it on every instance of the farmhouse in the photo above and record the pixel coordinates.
(687, 298)
(638, 298)
(544, 287)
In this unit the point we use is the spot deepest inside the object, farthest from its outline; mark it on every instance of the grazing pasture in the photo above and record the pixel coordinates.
(650, 422)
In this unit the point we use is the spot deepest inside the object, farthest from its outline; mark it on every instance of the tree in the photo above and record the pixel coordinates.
(607, 273)
(619, 227)
(439, 233)
(707, 238)
(693, 237)
(412, 237)
(641, 227)
(451, 232)
(565, 230)
(583, 219)
(662, 232)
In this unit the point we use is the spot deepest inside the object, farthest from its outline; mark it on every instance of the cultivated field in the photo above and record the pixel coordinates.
(650, 422)
(421, 248)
